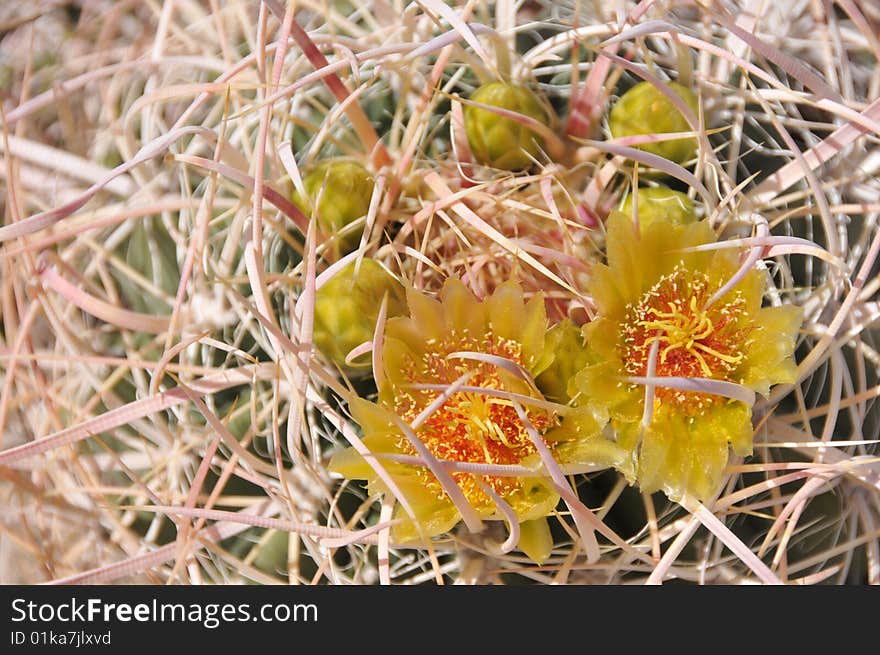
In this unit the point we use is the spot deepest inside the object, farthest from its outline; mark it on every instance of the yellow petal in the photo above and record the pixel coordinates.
(685, 458)
(637, 260)
(606, 295)
(426, 314)
(404, 329)
(434, 515)
(598, 451)
(626, 259)
(533, 330)
(504, 309)
(349, 464)
(708, 452)
(722, 267)
(769, 357)
(602, 338)
(370, 416)
(655, 471)
(733, 421)
(580, 440)
(664, 458)
(535, 498)
(580, 423)
(673, 241)
(396, 357)
(570, 355)
(535, 539)
(464, 313)
(601, 388)
(547, 356)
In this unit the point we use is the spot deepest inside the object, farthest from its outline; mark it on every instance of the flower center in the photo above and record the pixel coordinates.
(693, 340)
(470, 426)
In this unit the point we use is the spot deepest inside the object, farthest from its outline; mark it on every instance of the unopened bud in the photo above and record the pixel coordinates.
(498, 141)
(645, 110)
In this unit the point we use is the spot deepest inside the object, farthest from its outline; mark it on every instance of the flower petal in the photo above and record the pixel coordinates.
(638, 259)
(535, 498)
(396, 357)
(685, 457)
(533, 331)
(349, 464)
(769, 358)
(606, 294)
(733, 421)
(426, 314)
(435, 516)
(464, 313)
(656, 470)
(504, 309)
(597, 452)
(535, 539)
(371, 417)
(603, 338)
(603, 389)
(708, 451)
(569, 356)
(723, 266)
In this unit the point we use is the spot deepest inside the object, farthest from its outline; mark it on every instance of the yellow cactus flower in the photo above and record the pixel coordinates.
(657, 303)
(494, 348)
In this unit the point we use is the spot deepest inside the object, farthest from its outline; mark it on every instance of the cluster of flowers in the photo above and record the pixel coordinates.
(474, 395)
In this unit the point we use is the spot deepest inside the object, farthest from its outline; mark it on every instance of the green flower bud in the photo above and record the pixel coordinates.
(345, 188)
(502, 142)
(570, 356)
(346, 309)
(645, 110)
(660, 201)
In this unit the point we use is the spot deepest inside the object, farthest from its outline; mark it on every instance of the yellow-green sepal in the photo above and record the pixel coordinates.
(535, 540)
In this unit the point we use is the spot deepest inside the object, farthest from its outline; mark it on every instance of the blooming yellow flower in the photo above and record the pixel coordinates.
(654, 296)
(499, 344)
